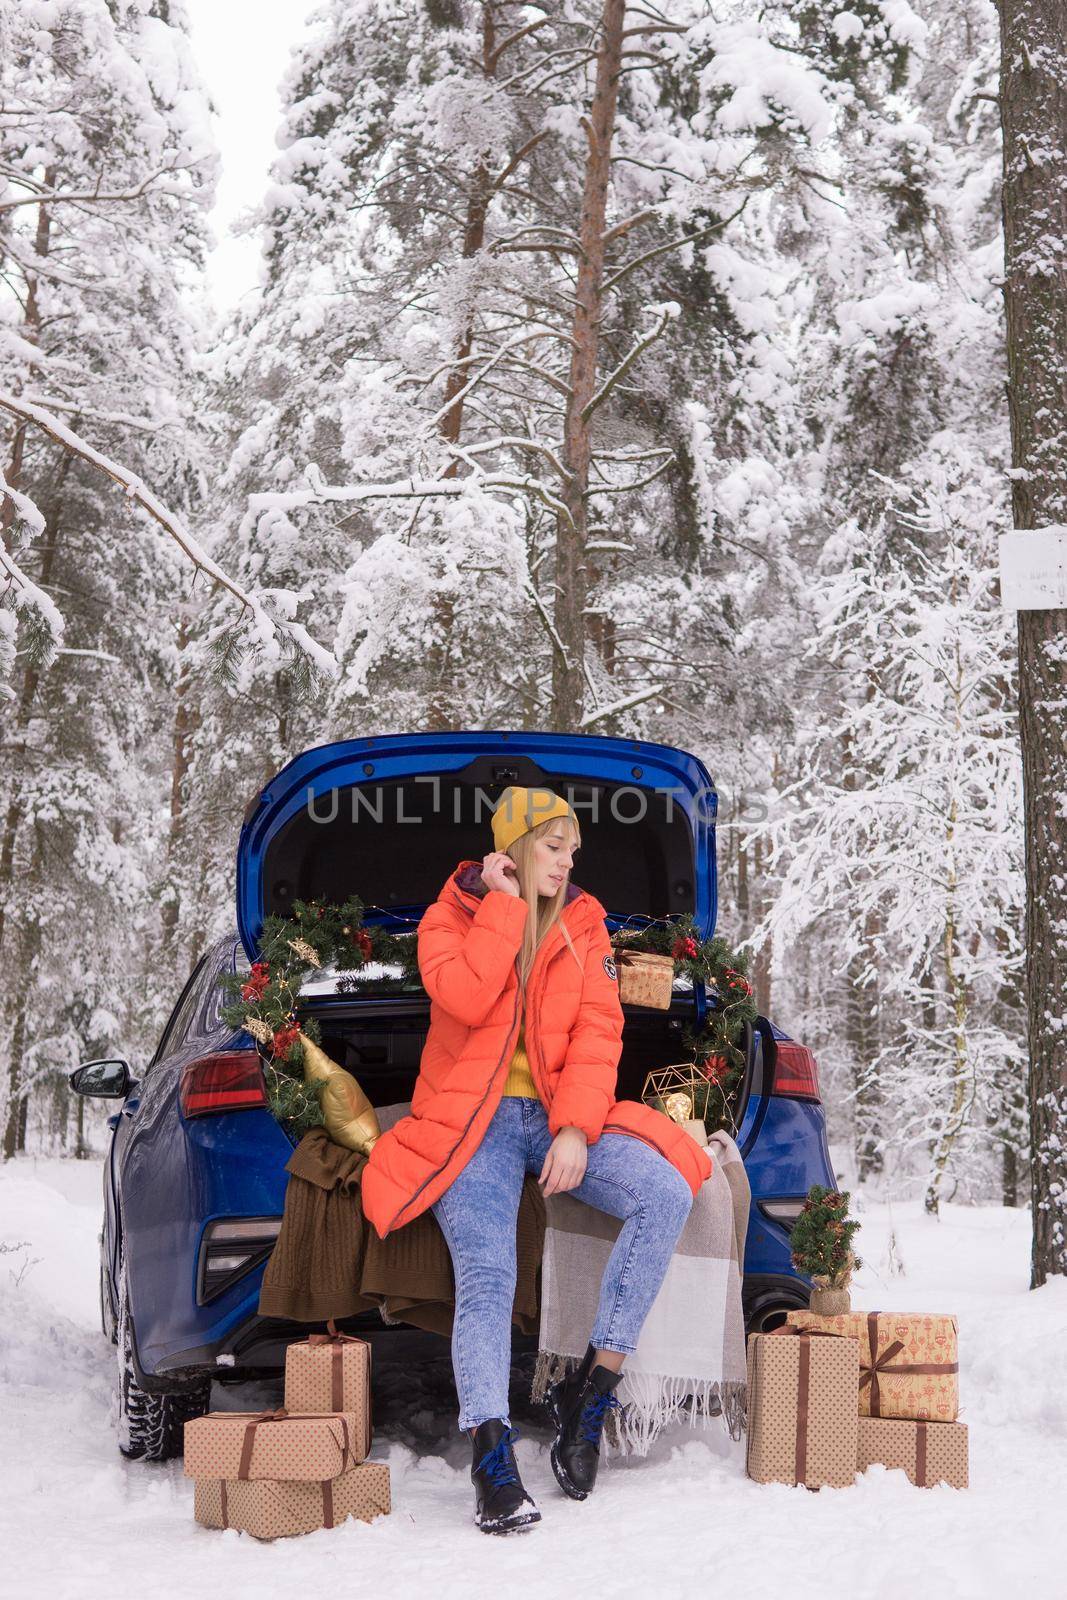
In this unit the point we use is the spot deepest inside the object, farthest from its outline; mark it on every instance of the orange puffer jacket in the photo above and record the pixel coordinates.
(468, 943)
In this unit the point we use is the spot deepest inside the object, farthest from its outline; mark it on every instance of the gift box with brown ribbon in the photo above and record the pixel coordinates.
(331, 1372)
(271, 1444)
(802, 1417)
(270, 1508)
(645, 977)
(909, 1360)
(929, 1452)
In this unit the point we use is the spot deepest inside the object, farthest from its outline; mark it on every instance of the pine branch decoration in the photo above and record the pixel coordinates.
(318, 934)
(821, 1240)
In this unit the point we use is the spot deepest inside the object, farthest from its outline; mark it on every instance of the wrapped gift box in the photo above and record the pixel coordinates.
(929, 1452)
(270, 1508)
(331, 1372)
(909, 1361)
(271, 1444)
(802, 1417)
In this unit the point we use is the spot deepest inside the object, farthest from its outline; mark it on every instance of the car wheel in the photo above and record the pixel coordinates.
(150, 1426)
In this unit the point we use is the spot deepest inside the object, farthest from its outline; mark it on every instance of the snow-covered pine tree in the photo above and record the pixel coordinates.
(900, 344)
(901, 833)
(107, 165)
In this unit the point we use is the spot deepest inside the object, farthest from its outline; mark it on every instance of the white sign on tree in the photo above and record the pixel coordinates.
(1033, 569)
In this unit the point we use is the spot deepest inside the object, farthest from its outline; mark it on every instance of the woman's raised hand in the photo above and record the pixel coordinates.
(500, 872)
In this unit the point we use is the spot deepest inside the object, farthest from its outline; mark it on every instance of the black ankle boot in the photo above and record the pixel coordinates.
(501, 1503)
(579, 1404)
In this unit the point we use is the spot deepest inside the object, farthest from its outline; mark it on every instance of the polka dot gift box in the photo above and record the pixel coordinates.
(331, 1372)
(802, 1418)
(275, 1473)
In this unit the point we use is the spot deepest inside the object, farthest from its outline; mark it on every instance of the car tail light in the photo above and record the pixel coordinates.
(229, 1081)
(230, 1248)
(795, 1072)
(784, 1212)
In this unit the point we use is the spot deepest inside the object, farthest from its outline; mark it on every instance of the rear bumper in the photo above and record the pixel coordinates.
(256, 1350)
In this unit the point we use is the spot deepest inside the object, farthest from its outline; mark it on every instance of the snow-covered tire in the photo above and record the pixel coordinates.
(150, 1426)
(107, 1320)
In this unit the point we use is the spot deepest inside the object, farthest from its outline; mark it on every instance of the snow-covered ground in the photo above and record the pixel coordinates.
(76, 1520)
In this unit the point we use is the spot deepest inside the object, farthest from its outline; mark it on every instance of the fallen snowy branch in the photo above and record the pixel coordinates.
(267, 628)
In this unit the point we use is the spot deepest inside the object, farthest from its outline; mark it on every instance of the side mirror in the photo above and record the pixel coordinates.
(102, 1080)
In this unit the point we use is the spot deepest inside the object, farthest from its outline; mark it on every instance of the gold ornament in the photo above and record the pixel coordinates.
(679, 1106)
(305, 951)
(346, 1111)
(678, 1091)
(259, 1030)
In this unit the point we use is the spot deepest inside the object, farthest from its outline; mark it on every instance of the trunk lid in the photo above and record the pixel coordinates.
(388, 817)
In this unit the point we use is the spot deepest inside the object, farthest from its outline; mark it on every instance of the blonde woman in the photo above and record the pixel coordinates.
(518, 1075)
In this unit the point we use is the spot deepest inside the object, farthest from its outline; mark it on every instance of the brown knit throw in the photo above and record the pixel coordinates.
(329, 1262)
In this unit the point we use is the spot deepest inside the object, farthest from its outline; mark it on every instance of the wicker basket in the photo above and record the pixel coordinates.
(830, 1302)
(645, 978)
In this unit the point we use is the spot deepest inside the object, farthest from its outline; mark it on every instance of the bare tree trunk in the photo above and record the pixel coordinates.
(31, 330)
(10, 878)
(862, 1036)
(81, 1149)
(186, 718)
(764, 957)
(21, 976)
(862, 1025)
(572, 576)
(956, 992)
(1033, 113)
(473, 241)
(440, 714)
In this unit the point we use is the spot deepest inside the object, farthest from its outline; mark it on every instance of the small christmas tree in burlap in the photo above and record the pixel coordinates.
(821, 1244)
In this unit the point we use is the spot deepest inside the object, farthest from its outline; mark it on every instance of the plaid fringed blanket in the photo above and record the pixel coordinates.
(690, 1358)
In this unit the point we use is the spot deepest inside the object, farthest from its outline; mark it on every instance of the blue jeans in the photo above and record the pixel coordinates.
(478, 1212)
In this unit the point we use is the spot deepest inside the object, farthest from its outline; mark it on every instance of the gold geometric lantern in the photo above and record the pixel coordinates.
(678, 1091)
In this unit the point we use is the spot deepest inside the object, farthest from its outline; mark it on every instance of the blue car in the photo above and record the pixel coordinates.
(194, 1181)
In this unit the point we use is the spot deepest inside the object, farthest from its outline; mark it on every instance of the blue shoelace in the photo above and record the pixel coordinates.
(593, 1415)
(495, 1463)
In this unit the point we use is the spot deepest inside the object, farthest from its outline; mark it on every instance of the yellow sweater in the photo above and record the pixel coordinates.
(519, 1080)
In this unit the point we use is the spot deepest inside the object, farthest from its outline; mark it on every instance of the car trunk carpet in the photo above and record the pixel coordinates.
(328, 1261)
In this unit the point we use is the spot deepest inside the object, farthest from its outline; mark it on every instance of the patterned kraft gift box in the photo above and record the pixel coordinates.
(271, 1509)
(929, 1452)
(802, 1418)
(331, 1372)
(915, 1369)
(270, 1444)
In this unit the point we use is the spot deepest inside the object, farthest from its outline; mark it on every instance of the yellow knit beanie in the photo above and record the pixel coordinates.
(518, 810)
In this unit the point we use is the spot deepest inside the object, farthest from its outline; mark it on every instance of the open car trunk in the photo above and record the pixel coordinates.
(389, 818)
(380, 1043)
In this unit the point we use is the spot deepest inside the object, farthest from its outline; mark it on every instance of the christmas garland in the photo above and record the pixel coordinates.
(320, 934)
(716, 1046)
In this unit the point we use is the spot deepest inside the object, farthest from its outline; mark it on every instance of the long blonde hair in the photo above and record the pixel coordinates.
(545, 910)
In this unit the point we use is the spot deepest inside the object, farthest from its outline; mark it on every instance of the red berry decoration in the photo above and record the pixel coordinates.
(257, 983)
(283, 1041)
(363, 940)
(684, 949)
